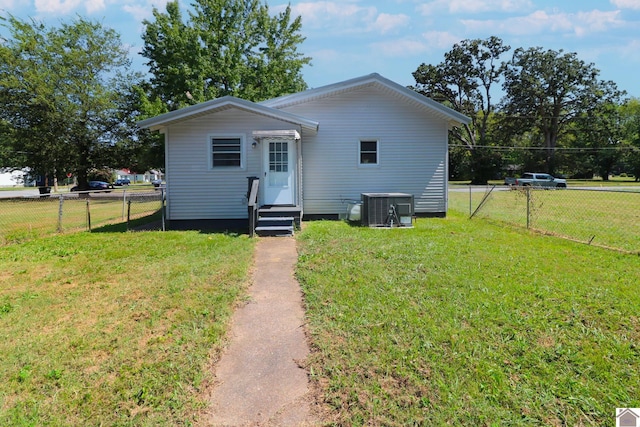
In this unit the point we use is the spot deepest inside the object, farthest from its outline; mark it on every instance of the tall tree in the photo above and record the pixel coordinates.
(630, 124)
(548, 90)
(173, 54)
(227, 47)
(60, 89)
(464, 81)
(599, 130)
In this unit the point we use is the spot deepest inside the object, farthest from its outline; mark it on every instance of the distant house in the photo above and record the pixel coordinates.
(313, 151)
(15, 178)
(134, 177)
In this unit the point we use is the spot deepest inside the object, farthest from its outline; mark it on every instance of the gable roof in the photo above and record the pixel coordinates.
(220, 104)
(373, 79)
(273, 108)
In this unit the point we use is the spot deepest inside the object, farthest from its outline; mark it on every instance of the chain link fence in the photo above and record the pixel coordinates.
(27, 218)
(606, 217)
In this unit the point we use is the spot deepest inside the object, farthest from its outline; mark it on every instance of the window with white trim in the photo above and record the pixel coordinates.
(226, 152)
(368, 152)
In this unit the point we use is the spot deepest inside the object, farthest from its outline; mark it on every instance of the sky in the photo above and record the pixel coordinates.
(352, 38)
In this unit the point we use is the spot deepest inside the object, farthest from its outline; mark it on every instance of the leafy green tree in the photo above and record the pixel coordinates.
(226, 47)
(60, 89)
(630, 128)
(548, 91)
(173, 54)
(464, 82)
(140, 150)
(599, 130)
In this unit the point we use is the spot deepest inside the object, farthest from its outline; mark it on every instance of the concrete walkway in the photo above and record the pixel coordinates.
(258, 379)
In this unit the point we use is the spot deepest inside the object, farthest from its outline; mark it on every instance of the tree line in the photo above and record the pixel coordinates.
(555, 114)
(70, 99)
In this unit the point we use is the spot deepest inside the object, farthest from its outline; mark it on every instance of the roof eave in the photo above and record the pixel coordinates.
(159, 123)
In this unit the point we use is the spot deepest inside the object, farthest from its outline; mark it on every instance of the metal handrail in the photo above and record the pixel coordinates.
(252, 203)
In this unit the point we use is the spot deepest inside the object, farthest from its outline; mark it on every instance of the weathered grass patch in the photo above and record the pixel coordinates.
(114, 328)
(465, 323)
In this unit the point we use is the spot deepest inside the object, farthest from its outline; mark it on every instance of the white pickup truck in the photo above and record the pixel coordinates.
(529, 179)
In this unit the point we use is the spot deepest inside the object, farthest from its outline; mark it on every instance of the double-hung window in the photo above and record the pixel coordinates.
(369, 152)
(226, 152)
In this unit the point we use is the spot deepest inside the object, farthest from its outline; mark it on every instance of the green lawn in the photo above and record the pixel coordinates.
(453, 322)
(459, 322)
(604, 218)
(28, 218)
(113, 328)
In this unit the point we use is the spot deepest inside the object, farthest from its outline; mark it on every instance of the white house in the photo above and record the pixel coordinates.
(313, 151)
(148, 176)
(14, 178)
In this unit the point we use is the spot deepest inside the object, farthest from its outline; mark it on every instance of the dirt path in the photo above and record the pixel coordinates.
(258, 380)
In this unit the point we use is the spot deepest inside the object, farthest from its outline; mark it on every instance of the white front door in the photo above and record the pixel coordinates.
(279, 176)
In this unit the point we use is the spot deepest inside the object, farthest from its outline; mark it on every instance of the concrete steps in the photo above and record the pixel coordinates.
(275, 226)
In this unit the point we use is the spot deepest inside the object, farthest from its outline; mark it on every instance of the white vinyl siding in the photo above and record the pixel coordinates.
(195, 189)
(411, 155)
(412, 151)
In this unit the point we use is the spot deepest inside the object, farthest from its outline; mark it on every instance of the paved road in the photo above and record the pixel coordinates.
(26, 192)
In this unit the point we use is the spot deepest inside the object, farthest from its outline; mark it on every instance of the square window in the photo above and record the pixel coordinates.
(369, 152)
(226, 152)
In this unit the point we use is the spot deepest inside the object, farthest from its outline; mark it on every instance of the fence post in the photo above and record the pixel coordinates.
(128, 213)
(60, 214)
(470, 202)
(124, 201)
(162, 207)
(88, 216)
(528, 190)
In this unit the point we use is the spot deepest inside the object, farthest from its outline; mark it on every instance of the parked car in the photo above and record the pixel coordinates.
(123, 181)
(157, 182)
(96, 185)
(534, 179)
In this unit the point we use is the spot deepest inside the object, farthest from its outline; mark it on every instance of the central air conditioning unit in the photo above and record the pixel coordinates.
(387, 209)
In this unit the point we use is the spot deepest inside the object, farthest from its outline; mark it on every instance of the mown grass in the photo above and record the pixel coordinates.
(605, 218)
(30, 218)
(459, 322)
(114, 328)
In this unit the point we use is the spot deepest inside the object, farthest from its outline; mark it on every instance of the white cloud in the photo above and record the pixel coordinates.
(64, 7)
(597, 21)
(327, 13)
(94, 6)
(474, 6)
(6, 5)
(626, 4)
(440, 39)
(58, 7)
(386, 23)
(410, 47)
(142, 11)
(582, 23)
(345, 18)
(399, 48)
